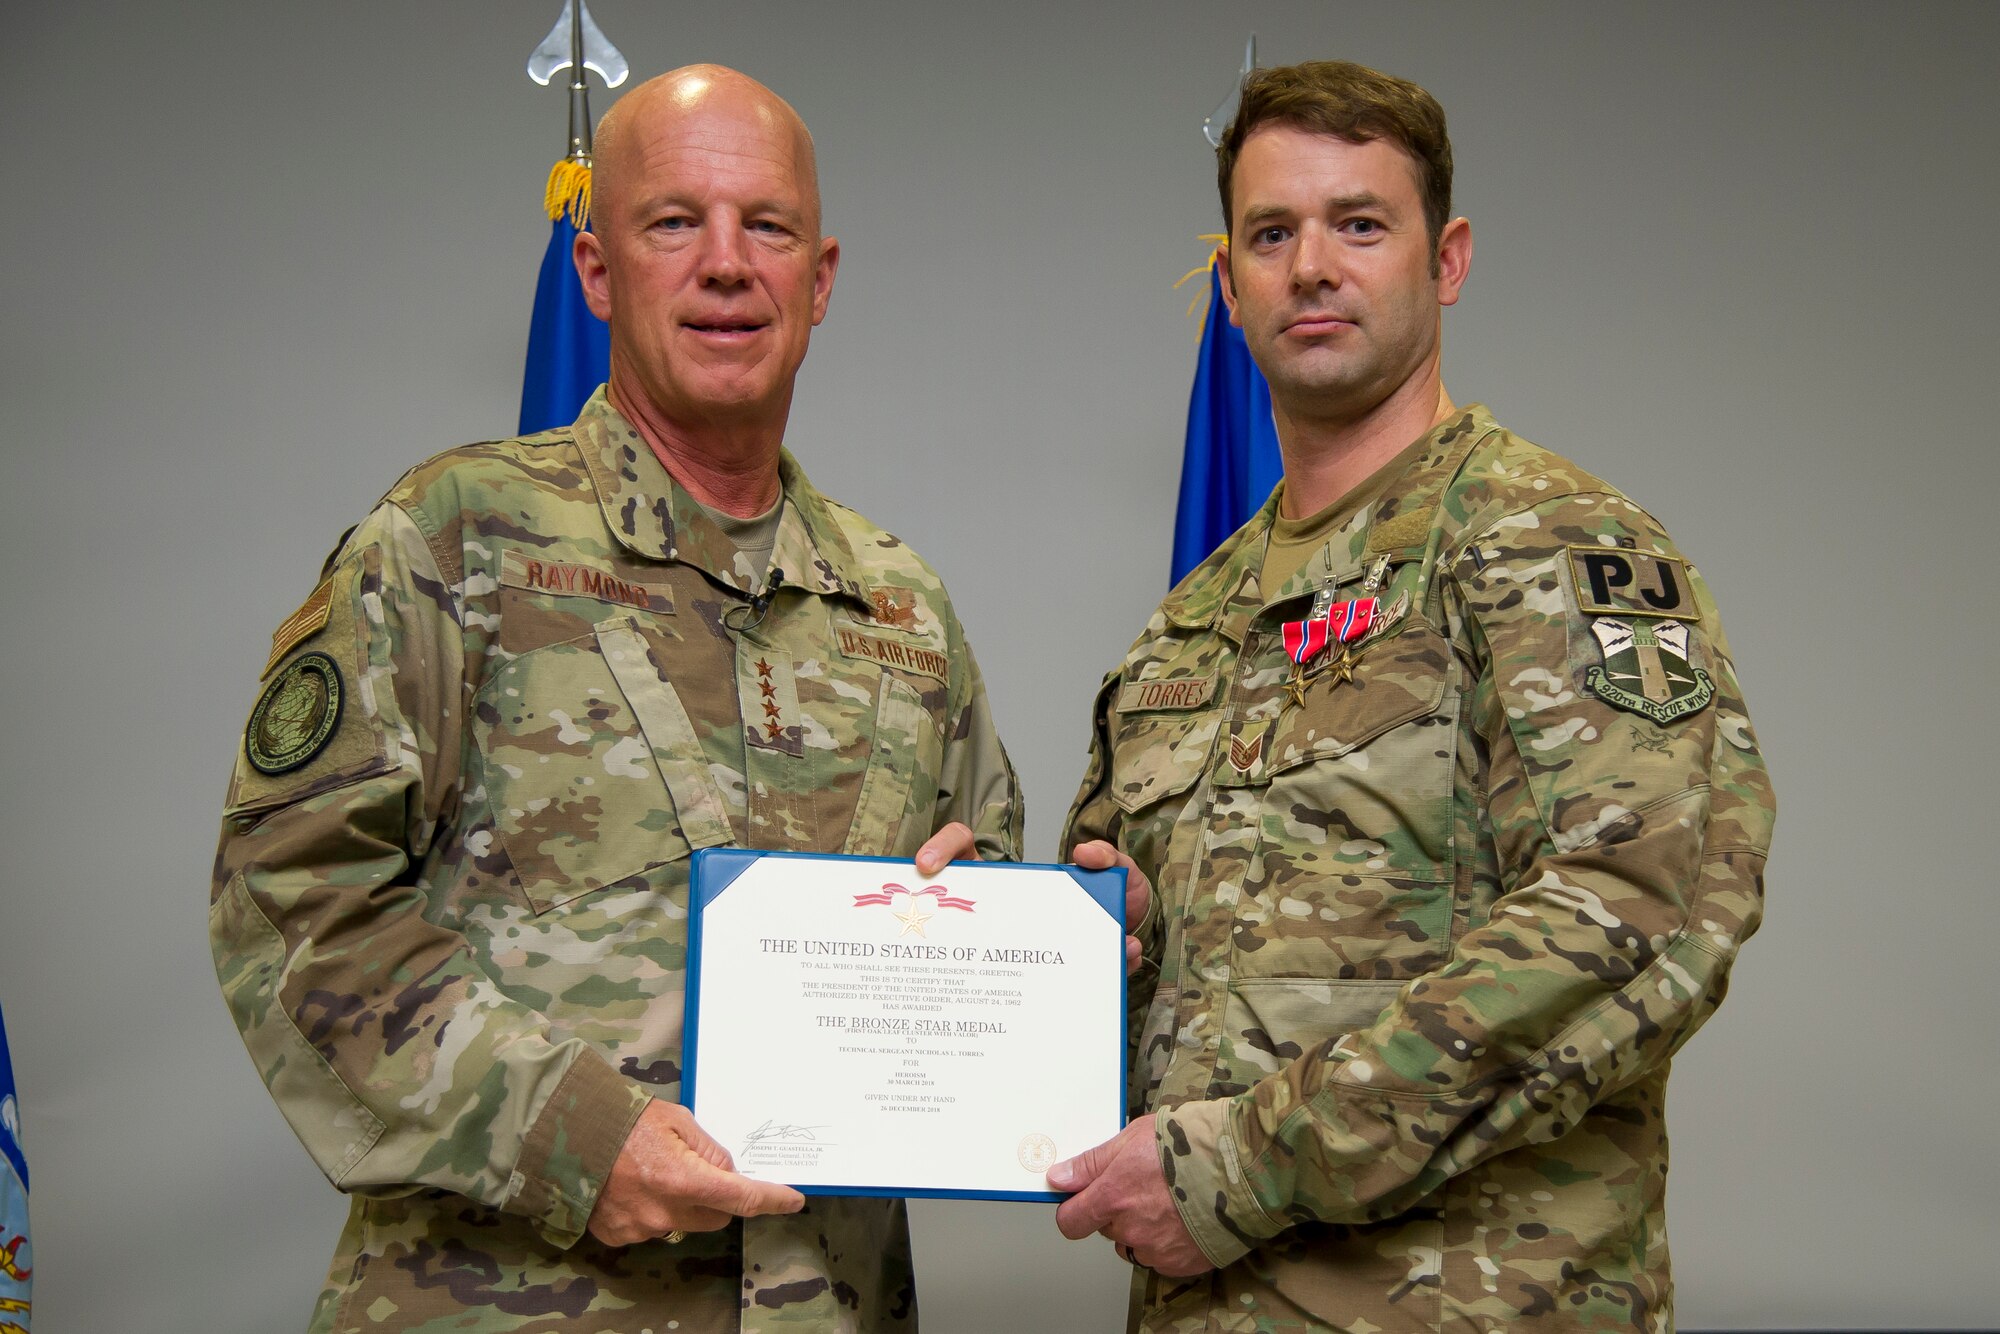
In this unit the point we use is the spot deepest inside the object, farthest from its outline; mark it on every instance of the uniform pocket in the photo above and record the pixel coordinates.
(1270, 1022)
(574, 779)
(1158, 755)
(905, 750)
(1356, 823)
(1399, 680)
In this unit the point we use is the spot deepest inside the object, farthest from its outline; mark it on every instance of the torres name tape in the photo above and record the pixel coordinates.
(1181, 692)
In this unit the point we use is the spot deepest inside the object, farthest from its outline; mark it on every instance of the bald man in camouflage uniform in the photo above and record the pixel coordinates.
(1453, 815)
(451, 901)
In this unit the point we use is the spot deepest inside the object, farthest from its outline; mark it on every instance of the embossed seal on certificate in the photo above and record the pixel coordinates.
(1037, 1153)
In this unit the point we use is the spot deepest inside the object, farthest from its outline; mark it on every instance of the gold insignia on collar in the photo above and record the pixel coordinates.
(893, 607)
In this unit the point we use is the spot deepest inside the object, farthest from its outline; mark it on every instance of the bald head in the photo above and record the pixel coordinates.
(702, 106)
(705, 256)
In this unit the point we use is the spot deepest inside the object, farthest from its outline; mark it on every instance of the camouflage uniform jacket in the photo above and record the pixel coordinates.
(1424, 939)
(453, 932)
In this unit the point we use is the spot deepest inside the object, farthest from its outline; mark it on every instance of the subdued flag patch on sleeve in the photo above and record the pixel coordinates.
(300, 626)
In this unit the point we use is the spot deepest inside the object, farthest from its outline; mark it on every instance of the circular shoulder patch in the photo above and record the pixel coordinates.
(296, 715)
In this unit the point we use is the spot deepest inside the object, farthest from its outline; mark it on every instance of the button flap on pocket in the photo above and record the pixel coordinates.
(1288, 1016)
(1396, 680)
(699, 805)
(906, 742)
(1158, 755)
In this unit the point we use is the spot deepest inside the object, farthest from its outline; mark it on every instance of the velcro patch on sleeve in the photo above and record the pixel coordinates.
(1617, 581)
(316, 716)
(904, 657)
(1650, 667)
(567, 579)
(300, 626)
(296, 716)
(1181, 692)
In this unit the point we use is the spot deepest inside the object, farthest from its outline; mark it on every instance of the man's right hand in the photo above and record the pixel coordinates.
(671, 1177)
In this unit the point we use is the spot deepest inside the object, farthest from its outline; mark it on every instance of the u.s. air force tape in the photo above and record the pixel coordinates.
(296, 715)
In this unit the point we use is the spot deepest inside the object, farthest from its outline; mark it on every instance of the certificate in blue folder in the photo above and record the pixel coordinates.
(854, 1028)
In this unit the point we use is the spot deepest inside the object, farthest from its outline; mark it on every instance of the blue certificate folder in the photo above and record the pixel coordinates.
(1098, 1090)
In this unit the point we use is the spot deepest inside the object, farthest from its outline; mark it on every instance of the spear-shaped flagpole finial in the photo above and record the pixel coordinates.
(578, 45)
(1218, 120)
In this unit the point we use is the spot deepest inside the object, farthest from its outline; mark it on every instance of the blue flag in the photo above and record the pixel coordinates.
(569, 349)
(1231, 460)
(16, 1257)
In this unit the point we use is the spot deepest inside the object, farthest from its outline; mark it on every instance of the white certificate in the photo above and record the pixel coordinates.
(854, 1028)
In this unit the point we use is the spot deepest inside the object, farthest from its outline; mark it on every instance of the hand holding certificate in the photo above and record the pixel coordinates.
(856, 1028)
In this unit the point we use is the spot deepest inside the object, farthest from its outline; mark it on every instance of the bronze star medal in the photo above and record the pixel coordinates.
(1355, 626)
(1295, 687)
(1310, 640)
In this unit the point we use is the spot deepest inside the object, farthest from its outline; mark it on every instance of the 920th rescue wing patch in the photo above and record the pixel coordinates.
(296, 715)
(1648, 668)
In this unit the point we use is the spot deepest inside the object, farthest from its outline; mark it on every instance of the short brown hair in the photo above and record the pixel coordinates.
(1351, 102)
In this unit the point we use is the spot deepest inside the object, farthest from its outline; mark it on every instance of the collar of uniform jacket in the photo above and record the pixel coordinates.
(654, 517)
(1398, 526)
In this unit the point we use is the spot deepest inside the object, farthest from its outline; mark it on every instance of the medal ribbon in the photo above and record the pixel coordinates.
(1343, 623)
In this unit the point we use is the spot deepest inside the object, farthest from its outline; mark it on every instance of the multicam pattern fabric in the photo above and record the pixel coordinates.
(454, 939)
(1425, 937)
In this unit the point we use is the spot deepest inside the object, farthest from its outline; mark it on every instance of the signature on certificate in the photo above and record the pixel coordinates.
(779, 1130)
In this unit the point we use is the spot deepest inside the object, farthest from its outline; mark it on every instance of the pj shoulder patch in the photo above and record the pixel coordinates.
(296, 715)
(1617, 581)
(1648, 668)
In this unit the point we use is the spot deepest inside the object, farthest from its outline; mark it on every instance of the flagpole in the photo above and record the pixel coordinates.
(569, 349)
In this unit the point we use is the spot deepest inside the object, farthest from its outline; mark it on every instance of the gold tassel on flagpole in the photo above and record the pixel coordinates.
(1215, 239)
(569, 192)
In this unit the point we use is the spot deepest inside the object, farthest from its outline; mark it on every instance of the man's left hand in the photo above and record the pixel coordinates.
(955, 842)
(1121, 1191)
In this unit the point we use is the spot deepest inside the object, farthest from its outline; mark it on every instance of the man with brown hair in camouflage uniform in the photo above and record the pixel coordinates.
(450, 904)
(1441, 775)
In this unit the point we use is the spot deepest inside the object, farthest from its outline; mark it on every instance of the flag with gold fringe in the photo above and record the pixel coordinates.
(16, 1256)
(1229, 463)
(569, 349)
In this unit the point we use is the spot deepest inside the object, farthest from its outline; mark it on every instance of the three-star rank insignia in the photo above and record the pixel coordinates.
(1648, 668)
(295, 717)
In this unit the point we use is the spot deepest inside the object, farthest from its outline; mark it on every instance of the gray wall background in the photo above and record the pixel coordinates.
(1737, 258)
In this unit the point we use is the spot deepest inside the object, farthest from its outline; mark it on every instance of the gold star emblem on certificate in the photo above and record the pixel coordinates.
(913, 919)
